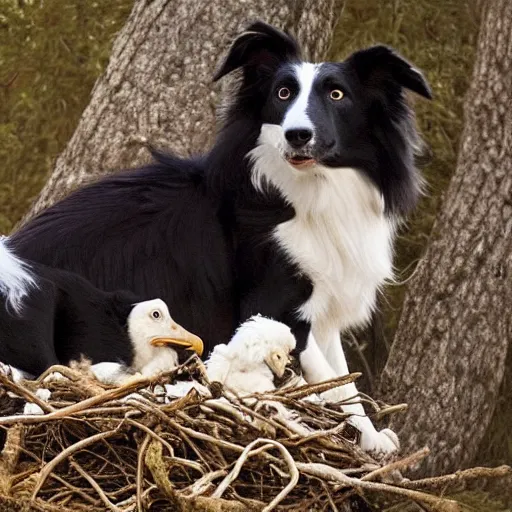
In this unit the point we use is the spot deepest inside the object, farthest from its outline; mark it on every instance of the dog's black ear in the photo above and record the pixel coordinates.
(259, 46)
(380, 64)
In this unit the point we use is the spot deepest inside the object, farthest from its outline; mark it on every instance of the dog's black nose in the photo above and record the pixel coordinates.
(299, 137)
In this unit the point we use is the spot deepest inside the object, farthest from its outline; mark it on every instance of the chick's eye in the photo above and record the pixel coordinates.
(156, 314)
(336, 95)
(284, 93)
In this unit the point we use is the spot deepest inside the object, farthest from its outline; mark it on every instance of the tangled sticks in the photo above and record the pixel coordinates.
(133, 449)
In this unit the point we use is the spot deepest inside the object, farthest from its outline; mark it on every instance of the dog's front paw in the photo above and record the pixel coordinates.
(381, 443)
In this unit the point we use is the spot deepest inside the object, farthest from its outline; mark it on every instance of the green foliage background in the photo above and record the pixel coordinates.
(52, 51)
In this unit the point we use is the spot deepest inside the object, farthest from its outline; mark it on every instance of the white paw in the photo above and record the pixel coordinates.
(380, 443)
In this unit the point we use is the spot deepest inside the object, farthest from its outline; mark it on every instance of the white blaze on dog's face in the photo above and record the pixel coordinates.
(298, 128)
(154, 334)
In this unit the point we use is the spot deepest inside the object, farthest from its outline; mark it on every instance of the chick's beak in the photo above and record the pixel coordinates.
(277, 362)
(180, 337)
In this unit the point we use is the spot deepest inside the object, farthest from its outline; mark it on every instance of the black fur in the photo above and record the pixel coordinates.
(195, 232)
(63, 318)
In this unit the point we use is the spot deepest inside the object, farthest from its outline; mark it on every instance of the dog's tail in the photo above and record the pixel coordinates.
(16, 278)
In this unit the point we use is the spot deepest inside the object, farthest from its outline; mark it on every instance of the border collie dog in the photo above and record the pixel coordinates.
(291, 214)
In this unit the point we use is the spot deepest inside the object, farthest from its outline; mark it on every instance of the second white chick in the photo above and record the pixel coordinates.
(258, 351)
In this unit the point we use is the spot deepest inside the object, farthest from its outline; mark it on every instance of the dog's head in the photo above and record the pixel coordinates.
(331, 116)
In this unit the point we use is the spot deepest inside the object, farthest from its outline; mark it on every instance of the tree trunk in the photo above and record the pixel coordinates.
(158, 88)
(448, 357)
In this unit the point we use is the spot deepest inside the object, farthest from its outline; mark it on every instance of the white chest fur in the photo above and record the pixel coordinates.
(339, 237)
(343, 244)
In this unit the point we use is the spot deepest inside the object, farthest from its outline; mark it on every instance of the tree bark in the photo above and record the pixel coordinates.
(448, 357)
(157, 87)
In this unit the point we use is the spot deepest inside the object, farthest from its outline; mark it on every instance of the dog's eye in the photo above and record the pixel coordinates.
(336, 95)
(284, 93)
(156, 314)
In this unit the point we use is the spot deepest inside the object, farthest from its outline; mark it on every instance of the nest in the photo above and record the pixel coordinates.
(132, 448)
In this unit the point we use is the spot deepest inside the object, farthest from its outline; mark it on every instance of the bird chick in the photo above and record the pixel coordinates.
(258, 351)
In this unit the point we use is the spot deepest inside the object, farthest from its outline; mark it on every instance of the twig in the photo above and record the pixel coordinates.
(76, 490)
(325, 472)
(95, 486)
(140, 470)
(254, 414)
(107, 396)
(25, 393)
(200, 486)
(389, 409)
(207, 438)
(192, 445)
(48, 468)
(154, 435)
(318, 434)
(155, 464)
(316, 389)
(248, 452)
(399, 464)
(441, 482)
(66, 371)
(226, 408)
